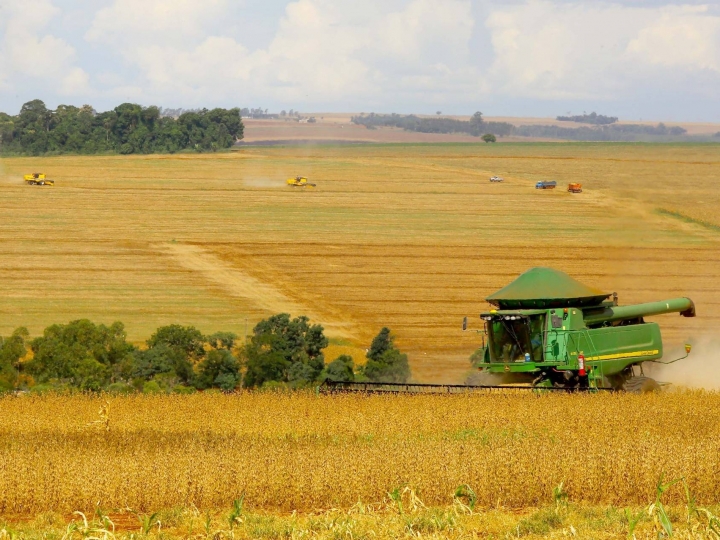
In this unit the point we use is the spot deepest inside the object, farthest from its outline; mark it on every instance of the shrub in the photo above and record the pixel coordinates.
(342, 369)
(151, 387)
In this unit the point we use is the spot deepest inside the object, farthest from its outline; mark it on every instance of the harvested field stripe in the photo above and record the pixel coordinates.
(238, 283)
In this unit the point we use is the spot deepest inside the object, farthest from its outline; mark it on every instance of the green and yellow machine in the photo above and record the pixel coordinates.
(551, 331)
(548, 331)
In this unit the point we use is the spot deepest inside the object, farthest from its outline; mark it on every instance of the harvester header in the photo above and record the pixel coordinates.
(38, 179)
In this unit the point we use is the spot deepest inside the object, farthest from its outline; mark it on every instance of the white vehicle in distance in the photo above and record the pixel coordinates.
(496, 178)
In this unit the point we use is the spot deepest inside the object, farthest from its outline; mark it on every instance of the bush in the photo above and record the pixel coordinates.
(151, 387)
(342, 369)
(121, 388)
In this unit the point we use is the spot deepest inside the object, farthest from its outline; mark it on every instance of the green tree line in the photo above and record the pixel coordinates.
(127, 129)
(281, 352)
(613, 132)
(592, 118)
(477, 126)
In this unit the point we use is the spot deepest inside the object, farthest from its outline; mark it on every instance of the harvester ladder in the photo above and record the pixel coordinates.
(590, 341)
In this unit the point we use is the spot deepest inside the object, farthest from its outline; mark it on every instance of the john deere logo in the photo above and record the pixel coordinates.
(507, 368)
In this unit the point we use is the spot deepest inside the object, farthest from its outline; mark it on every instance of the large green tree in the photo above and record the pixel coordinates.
(174, 349)
(82, 353)
(12, 350)
(385, 362)
(286, 350)
(220, 369)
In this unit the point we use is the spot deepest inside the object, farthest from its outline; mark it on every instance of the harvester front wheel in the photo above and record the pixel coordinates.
(640, 385)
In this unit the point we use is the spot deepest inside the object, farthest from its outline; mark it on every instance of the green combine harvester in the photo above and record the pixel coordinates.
(551, 332)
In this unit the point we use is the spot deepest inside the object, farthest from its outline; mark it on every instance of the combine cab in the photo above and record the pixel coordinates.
(551, 331)
(574, 187)
(38, 179)
(299, 181)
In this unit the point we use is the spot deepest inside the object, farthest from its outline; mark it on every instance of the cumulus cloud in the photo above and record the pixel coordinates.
(321, 49)
(133, 23)
(375, 54)
(27, 49)
(75, 82)
(680, 37)
(597, 51)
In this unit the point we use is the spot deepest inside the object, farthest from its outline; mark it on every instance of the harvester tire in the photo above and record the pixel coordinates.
(640, 385)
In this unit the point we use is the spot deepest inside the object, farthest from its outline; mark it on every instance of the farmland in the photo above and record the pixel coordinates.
(413, 237)
(364, 455)
(408, 236)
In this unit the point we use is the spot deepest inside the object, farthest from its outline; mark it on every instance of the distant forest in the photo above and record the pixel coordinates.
(477, 126)
(614, 132)
(127, 129)
(592, 118)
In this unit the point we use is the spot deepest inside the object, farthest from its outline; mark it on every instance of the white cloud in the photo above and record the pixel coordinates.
(685, 37)
(132, 23)
(27, 50)
(596, 51)
(322, 50)
(75, 82)
(41, 57)
(377, 54)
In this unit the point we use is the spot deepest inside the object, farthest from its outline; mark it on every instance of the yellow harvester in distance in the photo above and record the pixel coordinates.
(299, 181)
(38, 179)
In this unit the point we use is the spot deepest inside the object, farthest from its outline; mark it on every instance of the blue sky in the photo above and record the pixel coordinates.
(633, 59)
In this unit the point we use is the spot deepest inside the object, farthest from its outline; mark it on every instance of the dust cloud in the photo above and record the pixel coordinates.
(5, 179)
(699, 370)
(14, 180)
(263, 182)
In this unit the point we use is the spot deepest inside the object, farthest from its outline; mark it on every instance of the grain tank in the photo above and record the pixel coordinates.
(550, 330)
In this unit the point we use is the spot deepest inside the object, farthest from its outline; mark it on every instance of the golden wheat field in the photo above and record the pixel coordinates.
(355, 457)
(413, 237)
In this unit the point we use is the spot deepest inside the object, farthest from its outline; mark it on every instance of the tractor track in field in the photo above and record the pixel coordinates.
(241, 284)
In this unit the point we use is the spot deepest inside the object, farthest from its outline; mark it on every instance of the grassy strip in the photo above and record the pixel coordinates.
(688, 219)
(387, 520)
